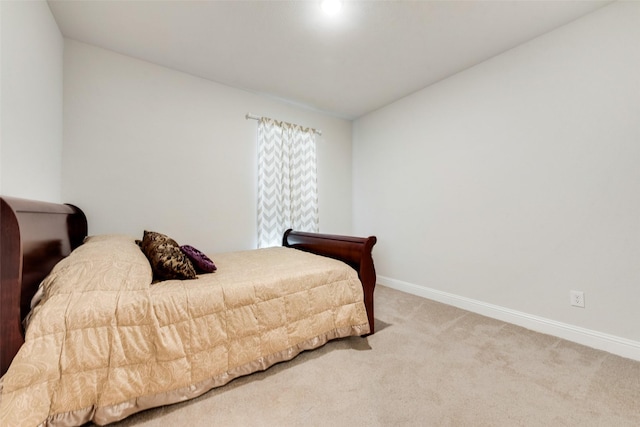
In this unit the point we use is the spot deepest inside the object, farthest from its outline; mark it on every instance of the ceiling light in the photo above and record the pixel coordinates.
(331, 7)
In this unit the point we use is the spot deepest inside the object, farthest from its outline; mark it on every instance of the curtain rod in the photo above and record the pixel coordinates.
(250, 116)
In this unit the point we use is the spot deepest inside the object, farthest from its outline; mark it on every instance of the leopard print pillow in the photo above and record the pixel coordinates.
(167, 261)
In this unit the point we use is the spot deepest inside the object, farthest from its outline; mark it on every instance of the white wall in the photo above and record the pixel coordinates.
(149, 147)
(31, 101)
(518, 180)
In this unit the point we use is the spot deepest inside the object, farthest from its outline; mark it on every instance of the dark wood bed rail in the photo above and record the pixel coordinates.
(355, 251)
(34, 237)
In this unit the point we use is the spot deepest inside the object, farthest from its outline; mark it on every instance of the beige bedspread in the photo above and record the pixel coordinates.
(105, 343)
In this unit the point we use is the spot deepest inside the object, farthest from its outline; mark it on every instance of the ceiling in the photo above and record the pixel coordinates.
(371, 54)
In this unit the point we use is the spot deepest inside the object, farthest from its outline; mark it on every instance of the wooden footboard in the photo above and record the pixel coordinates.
(355, 251)
(35, 236)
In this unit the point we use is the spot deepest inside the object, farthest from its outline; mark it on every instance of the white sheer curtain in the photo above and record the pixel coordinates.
(287, 184)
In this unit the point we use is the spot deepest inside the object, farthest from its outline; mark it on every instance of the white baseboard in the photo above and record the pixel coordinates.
(601, 341)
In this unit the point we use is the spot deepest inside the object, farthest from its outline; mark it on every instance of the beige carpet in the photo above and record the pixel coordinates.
(429, 364)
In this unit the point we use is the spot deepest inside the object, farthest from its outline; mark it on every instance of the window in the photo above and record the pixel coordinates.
(287, 184)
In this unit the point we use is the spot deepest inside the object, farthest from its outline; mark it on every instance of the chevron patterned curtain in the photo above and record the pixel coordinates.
(287, 185)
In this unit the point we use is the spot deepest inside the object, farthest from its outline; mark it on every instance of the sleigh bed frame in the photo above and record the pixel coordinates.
(36, 235)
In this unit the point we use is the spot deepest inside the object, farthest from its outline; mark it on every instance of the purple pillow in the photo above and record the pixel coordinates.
(200, 261)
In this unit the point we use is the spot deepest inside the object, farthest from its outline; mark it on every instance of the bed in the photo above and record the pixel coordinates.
(105, 342)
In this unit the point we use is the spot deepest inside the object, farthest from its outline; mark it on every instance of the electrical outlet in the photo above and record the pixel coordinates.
(577, 298)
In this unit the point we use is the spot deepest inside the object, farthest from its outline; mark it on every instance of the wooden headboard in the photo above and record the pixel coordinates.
(34, 236)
